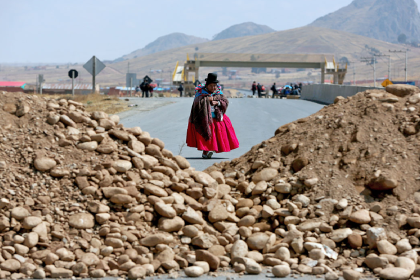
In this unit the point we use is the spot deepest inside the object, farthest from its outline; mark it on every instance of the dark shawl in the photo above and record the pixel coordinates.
(201, 113)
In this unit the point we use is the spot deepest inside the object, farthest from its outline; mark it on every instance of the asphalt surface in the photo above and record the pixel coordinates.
(254, 121)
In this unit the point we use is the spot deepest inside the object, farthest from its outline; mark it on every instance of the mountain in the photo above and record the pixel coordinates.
(380, 19)
(170, 41)
(303, 40)
(243, 29)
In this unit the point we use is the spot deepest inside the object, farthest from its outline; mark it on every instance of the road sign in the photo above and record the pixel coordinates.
(94, 66)
(99, 66)
(73, 74)
(386, 83)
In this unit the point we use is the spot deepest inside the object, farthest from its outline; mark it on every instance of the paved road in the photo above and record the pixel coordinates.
(254, 120)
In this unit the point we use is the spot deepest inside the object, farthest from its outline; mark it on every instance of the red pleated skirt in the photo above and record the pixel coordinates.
(223, 140)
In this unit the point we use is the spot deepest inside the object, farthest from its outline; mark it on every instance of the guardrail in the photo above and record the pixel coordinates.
(325, 93)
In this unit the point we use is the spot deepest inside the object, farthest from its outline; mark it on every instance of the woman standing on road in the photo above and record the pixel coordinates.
(209, 129)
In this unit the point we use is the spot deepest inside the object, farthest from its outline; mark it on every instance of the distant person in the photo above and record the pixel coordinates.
(180, 89)
(274, 89)
(146, 89)
(209, 128)
(254, 88)
(262, 90)
(259, 90)
(142, 88)
(137, 90)
(151, 90)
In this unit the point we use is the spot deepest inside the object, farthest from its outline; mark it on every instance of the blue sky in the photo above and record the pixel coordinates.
(58, 31)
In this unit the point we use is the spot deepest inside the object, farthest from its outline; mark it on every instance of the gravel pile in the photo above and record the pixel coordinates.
(334, 194)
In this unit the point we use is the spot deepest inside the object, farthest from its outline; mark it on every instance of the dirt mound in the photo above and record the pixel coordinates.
(329, 195)
(353, 166)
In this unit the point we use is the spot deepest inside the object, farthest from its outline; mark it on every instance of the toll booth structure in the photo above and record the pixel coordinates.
(325, 62)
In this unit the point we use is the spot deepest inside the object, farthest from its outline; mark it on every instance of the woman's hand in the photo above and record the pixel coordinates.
(214, 103)
(211, 98)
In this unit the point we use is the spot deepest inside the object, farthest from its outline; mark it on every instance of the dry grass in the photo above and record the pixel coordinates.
(98, 102)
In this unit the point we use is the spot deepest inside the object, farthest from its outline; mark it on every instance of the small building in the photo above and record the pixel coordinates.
(61, 88)
(12, 86)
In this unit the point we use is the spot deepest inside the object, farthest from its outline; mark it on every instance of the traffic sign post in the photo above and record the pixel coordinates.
(94, 66)
(73, 75)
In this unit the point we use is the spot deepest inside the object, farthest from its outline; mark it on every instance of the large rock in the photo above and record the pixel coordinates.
(350, 274)
(395, 273)
(218, 213)
(239, 249)
(373, 261)
(375, 234)
(82, 221)
(20, 213)
(205, 179)
(165, 210)
(386, 247)
(31, 222)
(155, 239)
(182, 162)
(339, 235)
(88, 146)
(402, 90)
(10, 265)
(44, 163)
(193, 271)
(212, 260)
(383, 183)
(171, 225)
(136, 272)
(61, 273)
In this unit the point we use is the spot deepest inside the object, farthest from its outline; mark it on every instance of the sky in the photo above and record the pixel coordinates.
(56, 31)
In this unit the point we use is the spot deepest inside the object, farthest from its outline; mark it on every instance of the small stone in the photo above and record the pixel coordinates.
(355, 240)
(88, 146)
(283, 254)
(281, 271)
(82, 221)
(122, 165)
(136, 272)
(252, 267)
(339, 235)
(44, 163)
(385, 247)
(360, 217)
(257, 241)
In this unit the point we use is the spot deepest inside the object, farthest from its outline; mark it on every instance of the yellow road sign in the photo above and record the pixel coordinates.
(386, 83)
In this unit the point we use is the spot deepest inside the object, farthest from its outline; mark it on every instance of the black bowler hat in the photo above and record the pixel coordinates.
(211, 79)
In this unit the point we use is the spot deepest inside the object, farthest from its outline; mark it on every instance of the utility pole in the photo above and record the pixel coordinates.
(406, 60)
(354, 74)
(369, 60)
(94, 75)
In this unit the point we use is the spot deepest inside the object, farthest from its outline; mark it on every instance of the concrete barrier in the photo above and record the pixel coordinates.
(325, 93)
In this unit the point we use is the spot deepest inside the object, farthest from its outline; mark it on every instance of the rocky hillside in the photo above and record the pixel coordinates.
(170, 41)
(243, 29)
(385, 19)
